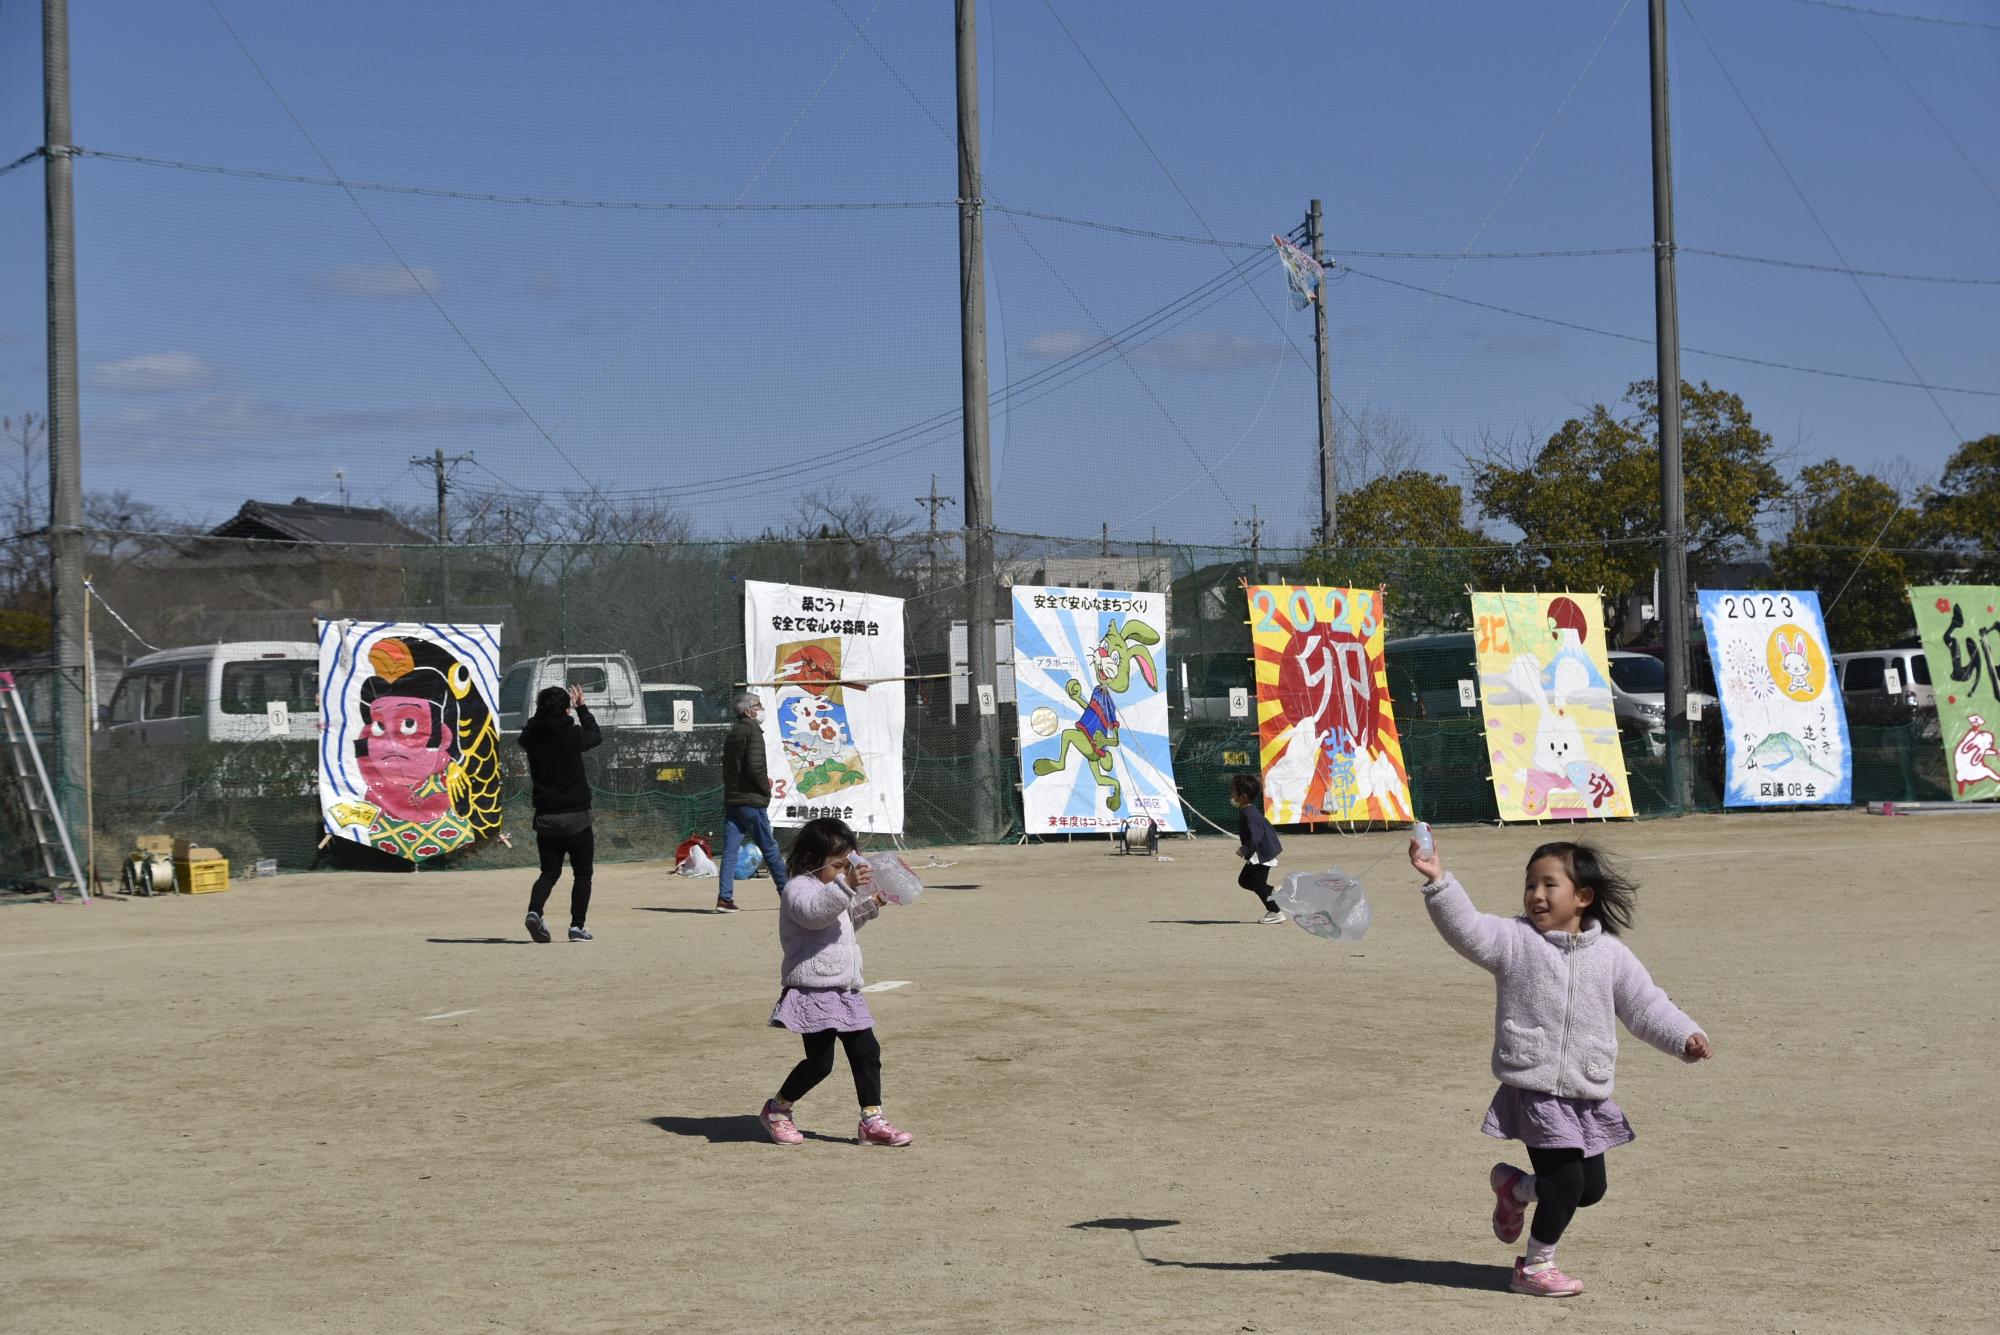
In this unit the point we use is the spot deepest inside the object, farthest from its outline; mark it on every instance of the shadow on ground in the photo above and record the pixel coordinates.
(1374, 1269)
(480, 941)
(734, 1129)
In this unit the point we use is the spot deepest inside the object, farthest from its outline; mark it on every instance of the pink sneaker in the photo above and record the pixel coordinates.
(1508, 1212)
(877, 1131)
(778, 1125)
(1546, 1283)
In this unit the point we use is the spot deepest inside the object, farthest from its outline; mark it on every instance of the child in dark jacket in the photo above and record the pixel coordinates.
(1259, 842)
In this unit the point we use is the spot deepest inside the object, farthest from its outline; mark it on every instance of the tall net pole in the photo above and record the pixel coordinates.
(988, 820)
(69, 710)
(1673, 610)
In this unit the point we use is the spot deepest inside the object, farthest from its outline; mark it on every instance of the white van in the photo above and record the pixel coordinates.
(244, 692)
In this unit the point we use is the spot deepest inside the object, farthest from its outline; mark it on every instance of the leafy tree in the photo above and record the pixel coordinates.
(1407, 531)
(1596, 482)
(1854, 542)
(1964, 508)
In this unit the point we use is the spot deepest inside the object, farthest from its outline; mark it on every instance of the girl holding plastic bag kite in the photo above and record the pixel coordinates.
(1565, 981)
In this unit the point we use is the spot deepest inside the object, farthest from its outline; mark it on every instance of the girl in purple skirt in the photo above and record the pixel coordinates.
(820, 909)
(1564, 978)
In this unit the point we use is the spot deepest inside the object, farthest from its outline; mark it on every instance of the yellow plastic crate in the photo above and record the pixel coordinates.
(201, 878)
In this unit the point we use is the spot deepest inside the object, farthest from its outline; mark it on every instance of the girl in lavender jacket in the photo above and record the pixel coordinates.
(1564, 977)
(818, 914)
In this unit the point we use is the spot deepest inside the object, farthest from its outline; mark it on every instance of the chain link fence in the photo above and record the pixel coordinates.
(650, 624)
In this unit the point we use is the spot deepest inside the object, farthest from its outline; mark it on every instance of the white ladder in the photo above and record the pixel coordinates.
(31, 779)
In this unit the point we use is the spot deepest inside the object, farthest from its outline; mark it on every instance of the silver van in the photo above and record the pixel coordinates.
(1895, 676)
(243, 692)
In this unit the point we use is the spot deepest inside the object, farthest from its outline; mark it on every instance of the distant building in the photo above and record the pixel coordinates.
(311, 522)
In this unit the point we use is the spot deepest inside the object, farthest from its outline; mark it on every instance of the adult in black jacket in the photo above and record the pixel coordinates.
(746, 799)
(555, 743)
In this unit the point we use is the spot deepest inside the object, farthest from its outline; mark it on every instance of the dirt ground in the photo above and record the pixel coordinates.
(355, 1103)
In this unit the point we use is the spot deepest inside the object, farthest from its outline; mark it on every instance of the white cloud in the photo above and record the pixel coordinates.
(378, 282)
(246, 418)
(1191, 352)
(153, 373)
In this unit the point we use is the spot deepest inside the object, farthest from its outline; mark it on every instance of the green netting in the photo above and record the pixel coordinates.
(674, 611)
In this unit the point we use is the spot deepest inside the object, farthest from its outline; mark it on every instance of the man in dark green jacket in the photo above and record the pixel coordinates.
(746, 797)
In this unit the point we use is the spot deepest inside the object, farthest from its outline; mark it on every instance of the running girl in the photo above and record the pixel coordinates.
(1563, 976)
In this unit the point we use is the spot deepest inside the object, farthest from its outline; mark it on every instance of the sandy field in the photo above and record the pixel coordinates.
(368, 1103)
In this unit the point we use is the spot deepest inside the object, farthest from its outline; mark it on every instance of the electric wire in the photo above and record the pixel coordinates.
(383, 236)
(1647, 342)
(1930, 111)
(1893, 14)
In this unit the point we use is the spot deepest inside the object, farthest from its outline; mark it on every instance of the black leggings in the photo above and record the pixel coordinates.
(864, 1058)
(1256, 878)
(582, 850)
(1565, 1182)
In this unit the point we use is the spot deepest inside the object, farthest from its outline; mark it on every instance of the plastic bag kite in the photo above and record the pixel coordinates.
(1302, 271)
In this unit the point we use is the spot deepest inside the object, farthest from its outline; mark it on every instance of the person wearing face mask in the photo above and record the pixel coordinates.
(746, 801)
(555, 740)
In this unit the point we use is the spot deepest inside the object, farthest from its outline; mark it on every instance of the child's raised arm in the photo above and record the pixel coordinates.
(813, 903)
(1480, 937)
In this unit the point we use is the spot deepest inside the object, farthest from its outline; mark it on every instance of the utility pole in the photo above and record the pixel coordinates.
(989, 761)
(933, 502)
(1104, 541)
(1329, 486)
(72, 725)
(1673, 609)
(439, 462)
(1255, 526)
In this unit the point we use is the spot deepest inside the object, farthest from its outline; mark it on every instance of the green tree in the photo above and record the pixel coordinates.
(1853, 541)
(1587, 501)
(1964, 509)
(1406, 531)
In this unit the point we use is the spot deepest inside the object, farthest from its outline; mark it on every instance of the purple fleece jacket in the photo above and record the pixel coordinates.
(1558, 995)
(816, 924)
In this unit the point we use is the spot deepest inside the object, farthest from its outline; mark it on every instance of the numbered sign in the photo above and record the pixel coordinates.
(1892, 680)
(683, 716)
(278, 717)
(987, 703)
(1239, 702)
(1468, 694)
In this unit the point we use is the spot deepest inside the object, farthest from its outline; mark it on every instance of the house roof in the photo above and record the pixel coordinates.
(307, 521)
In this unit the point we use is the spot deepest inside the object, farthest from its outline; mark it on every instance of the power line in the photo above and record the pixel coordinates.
(1038, 215)
(1647, 342)
(1016, 394)
(1053, 271)
(695, 256)
(366, 217)
(1936, 120)
(22, 161)
(1838, 268)
(489, 197)
(1892, 14)
(1507, 189)
(1813, 213)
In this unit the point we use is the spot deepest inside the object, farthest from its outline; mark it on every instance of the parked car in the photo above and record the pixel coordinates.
(217, 693)
(1425, 676)
(1639, 697)
(1889, 675)
(1207, 679)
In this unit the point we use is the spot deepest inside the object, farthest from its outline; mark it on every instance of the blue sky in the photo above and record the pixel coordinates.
(245, 338)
